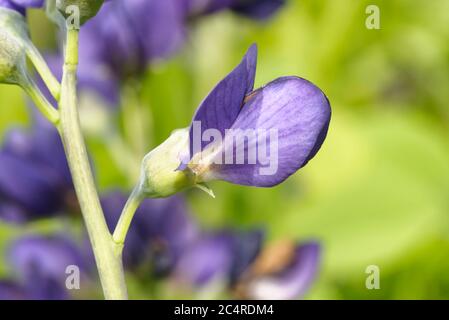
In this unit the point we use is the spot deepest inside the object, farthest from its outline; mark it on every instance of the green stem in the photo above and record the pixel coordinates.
(107, 257)
(39, 99)
(44, 71)
(127, 215)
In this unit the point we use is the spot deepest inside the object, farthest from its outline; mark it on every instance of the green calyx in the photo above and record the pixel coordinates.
(160, 177)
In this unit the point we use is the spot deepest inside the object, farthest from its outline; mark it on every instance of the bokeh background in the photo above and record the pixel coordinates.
(376, 193)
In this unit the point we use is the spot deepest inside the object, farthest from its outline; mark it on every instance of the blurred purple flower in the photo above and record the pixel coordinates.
(291, 280)
(40, 264)
(21, 5)
(237, 260)
(127, 35)
(35, 179)
(48, 256)
(295, 109)
(11, 212)
(160, 231)
(222, 256)
(10, 290)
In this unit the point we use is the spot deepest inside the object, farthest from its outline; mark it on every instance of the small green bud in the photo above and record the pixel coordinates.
(13, 39)
(12, 59)
(79, 11)
(160, 177)
(14, 23)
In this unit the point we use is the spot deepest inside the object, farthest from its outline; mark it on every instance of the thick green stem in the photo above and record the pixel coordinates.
(107, 257)
(127, 215)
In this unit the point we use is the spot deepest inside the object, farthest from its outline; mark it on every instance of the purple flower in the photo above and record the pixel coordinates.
(126, 35)
(35, 179)
(48, 256)
(256, 137)
(21, 5)
(207, 260)
(237, 260)
(218, 257)
(40, 265)
(160, 231)
(10, 290)
(284, 281)
(241, 135)
(11, 212)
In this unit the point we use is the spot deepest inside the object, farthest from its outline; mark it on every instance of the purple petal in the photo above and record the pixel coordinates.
(127, 35)
(44, 256)
(21, 5)
(34, 171)
(41, 145)
(223, 256)
(41, 263)
(40, 288)
(222, 106)
(29, 3)
(10, 5)
(292, 282)
(158, 25)
(12, 213)
(290, 116)
(11, 291)
(208, 260)
(43, 287)
(109, 39)
(24, 182)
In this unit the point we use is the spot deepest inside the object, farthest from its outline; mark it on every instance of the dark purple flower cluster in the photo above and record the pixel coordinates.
(35, 180)
(166, 240)
(40, 267)
(128, 35)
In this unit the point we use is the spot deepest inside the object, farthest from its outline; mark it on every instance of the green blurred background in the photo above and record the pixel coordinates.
(376, 194)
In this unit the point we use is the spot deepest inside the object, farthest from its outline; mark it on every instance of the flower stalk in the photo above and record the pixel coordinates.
(127, 215)
(42, 68)
(107, 257)
(44, 106)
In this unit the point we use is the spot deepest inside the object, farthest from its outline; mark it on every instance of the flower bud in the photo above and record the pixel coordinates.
(85, 8)
(160, 177)
(13, 36)
(14, 23)
(12, 59)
